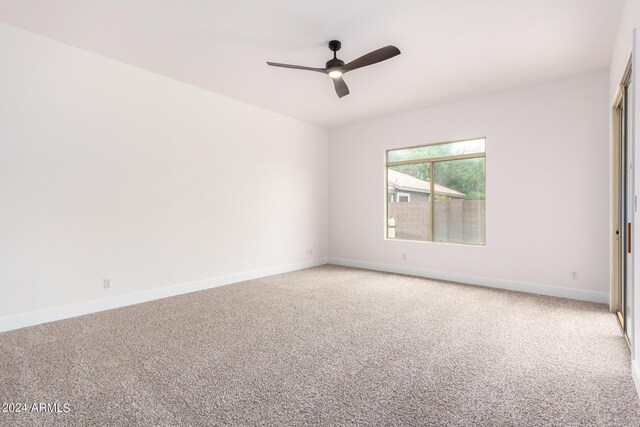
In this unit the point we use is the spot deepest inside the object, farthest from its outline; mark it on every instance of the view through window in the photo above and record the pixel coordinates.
(437, 192)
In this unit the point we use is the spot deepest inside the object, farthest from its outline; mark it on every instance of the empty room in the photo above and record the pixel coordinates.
(285, 213)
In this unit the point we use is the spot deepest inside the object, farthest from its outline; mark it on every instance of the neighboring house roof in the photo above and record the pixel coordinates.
(403, 182)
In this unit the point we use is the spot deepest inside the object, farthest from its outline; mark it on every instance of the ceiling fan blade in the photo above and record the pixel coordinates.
(371, 58)
(296, 67)
(341, 87)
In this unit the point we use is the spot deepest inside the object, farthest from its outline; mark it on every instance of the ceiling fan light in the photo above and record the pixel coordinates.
(335, 74)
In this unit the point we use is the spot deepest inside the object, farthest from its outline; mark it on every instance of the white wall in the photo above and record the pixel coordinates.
(547, 188)
(624, 45)
(108, 171)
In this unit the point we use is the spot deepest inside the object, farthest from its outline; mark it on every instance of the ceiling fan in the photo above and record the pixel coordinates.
(335, 68)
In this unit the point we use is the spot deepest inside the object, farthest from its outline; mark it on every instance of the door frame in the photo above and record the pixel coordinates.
(619, 232)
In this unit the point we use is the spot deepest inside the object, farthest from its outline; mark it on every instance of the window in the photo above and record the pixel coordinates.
(403, 197)
(437, 193)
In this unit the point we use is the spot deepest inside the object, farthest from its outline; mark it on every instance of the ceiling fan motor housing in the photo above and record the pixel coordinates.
(335, 62)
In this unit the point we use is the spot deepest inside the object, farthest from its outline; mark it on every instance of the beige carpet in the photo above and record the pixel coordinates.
(328, 346)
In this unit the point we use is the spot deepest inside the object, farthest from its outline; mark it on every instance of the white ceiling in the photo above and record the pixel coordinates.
(451, 49)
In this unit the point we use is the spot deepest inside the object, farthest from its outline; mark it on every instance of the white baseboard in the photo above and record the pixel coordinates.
(94, 306)
(532, 288)
(635, 373)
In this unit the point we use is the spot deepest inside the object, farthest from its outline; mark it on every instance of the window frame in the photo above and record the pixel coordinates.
(431, 161)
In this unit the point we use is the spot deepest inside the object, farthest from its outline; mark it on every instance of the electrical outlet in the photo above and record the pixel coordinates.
(106, 283)
(574, 275)
(309, 251)
(404, 256)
